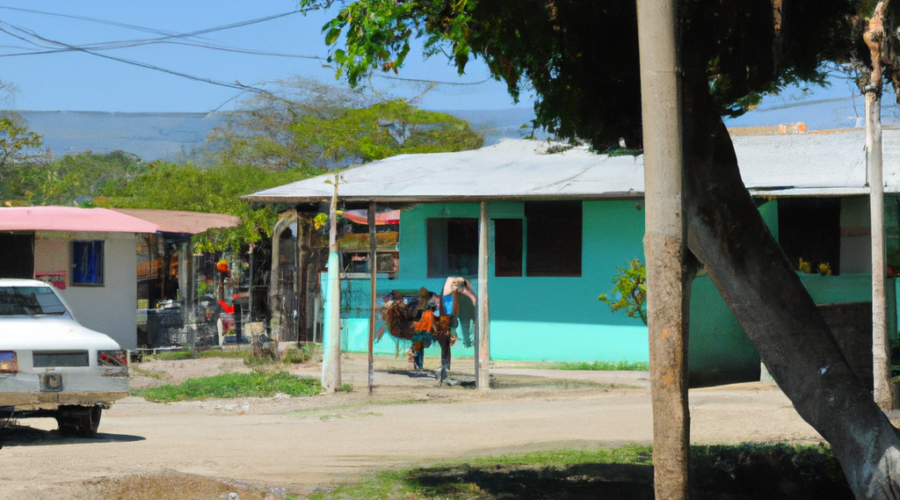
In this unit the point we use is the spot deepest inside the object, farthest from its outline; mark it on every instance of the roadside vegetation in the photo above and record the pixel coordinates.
(600, 366)
(251, 358)
(741, 471)
(233, 385)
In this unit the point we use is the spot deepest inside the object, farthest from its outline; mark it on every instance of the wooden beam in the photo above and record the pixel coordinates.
(483, 334)
(664, 244)
(373, 269)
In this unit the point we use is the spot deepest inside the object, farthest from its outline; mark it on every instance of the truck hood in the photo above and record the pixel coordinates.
(50, 333)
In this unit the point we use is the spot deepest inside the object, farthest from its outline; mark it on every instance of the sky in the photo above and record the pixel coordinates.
(78, 81)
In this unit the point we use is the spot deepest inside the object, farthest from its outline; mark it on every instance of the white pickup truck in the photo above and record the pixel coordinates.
(50, 365)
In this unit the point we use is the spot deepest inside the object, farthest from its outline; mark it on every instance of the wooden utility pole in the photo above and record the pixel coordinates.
(874, 38)
(664, 244)
(483, 335)
(331, 360)
(373, 269)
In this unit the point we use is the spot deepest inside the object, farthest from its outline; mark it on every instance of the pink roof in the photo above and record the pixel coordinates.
(72, 219)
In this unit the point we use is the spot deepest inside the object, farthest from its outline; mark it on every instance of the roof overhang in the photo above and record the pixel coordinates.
(72, 219)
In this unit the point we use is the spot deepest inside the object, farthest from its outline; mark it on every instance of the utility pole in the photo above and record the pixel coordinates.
(483, 334)
(664, 244)
(331, 360)
(373, 270)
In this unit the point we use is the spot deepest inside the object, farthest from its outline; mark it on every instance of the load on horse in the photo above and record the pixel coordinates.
(430, 317)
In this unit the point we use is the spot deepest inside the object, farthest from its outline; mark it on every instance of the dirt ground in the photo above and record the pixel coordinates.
(297, 445)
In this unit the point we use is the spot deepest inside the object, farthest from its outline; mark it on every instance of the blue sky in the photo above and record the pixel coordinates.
(80, 81)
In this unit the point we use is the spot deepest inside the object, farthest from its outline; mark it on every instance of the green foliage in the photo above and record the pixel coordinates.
(312, 125)
(70, 179)
(601, 366)
(16, 141)
(629, 292)
(171, 186)
(581, 58)
(382, 130)
(233, 385)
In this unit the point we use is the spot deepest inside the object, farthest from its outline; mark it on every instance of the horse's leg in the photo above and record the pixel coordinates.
(444, 341)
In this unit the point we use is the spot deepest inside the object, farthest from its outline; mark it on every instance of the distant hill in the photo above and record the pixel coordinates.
(164, 135)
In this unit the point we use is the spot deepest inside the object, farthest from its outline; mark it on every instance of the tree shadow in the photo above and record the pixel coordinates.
(741, 472)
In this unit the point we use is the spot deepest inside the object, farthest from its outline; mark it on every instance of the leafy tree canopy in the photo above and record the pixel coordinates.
(581, 56)
(172, 186)
(308, 124)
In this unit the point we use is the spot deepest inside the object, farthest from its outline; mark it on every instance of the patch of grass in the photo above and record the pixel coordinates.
(601, 366)
(233, 385)
(347, 387)
(149, 373)
(744, 471)
(186, 354)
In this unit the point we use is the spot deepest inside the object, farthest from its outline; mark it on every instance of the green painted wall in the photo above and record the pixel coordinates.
(560, 319)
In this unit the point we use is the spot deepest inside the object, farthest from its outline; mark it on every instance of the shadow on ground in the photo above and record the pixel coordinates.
(21, 435)
(744, 472)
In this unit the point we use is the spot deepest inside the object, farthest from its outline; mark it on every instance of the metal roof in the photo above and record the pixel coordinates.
(72, 219)
(815, 164)
(178, 221)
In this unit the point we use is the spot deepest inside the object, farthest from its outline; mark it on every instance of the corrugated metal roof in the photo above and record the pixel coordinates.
(818, 164)
(72, 219)
(178, 221)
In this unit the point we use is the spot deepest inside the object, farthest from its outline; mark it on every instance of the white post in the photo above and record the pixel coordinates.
(373, 270)
(331, 360)
(664, 244)
(881, 375)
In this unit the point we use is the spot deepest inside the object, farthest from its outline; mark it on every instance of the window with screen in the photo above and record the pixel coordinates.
(87, 263)
(452, 247)
(508, 250)
(553, 238)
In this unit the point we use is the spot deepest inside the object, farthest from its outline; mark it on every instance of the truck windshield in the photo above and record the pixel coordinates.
(29, 301)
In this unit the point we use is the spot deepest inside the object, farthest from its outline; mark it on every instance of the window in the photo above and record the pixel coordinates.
(87, 262)
(553, 238)
(810, 229)
(508, 247)
(452, 247)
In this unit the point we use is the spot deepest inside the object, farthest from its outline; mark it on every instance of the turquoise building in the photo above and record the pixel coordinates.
(560, 226)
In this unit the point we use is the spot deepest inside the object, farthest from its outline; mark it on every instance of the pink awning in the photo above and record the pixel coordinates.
(381, 219)
(72, 219)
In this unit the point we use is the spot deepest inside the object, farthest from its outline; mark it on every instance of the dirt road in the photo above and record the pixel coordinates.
(303, 443)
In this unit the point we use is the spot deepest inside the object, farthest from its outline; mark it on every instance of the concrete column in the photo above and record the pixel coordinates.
(331, 360)
(881, 346)
(664, 244)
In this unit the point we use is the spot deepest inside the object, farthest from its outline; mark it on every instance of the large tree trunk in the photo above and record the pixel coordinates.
(728, 236)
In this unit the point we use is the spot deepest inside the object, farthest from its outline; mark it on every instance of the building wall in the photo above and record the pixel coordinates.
(560, 319)
(110, 308)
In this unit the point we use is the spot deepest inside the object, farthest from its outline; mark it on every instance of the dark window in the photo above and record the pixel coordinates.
(810, 228)
(87, 262)
(17, 255)
(508, 247)
(554, 238)
(452, 247)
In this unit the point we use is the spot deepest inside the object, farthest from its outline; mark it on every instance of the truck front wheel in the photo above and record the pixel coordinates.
(78, 421)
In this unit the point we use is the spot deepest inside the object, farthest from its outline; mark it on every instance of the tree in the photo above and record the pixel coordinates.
(71, 179)
(19, 146)
(581, 58)
(308, 124)
(172, 186)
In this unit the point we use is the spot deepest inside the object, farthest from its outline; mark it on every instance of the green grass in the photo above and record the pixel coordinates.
(233, 385)
(149, 373)
(211, 353)
(715, 471)
(601, 366)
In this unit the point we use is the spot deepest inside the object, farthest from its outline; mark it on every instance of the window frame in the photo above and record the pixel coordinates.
(101, 271)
